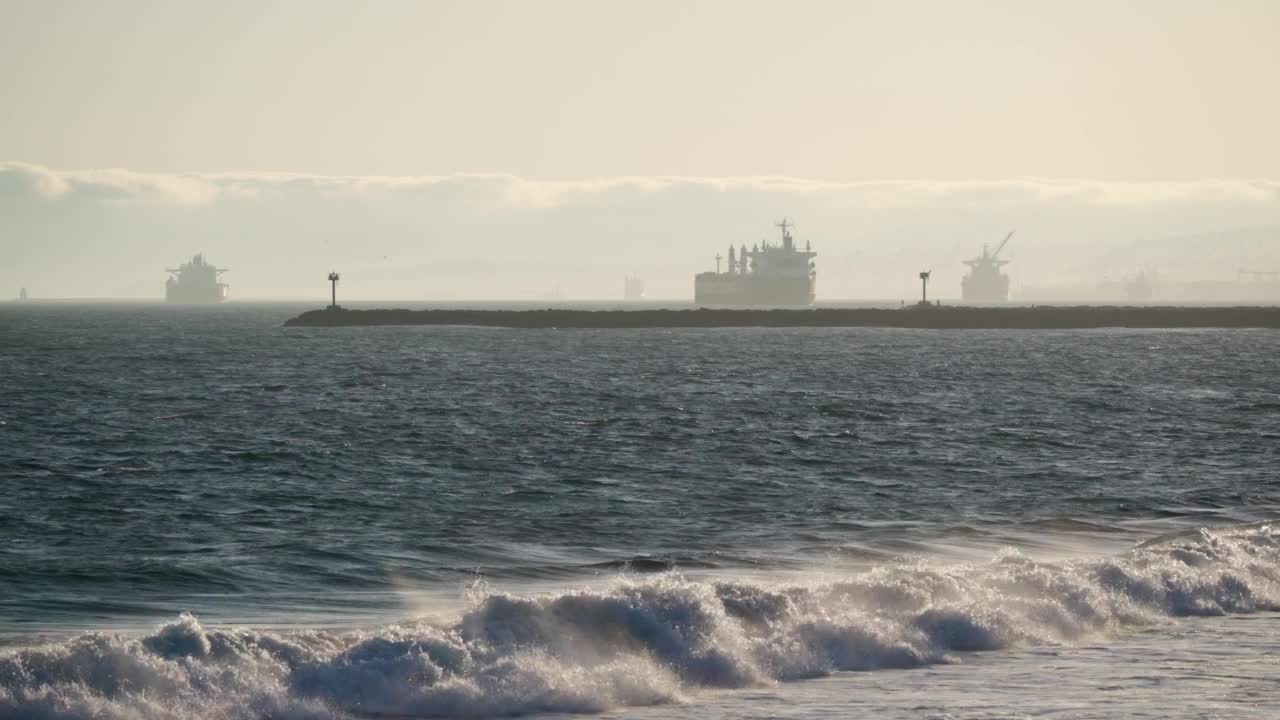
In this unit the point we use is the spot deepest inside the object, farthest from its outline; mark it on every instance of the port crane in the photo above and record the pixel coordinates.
(991, 259)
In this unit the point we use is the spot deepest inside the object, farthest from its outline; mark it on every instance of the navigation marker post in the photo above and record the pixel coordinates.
(333, 282)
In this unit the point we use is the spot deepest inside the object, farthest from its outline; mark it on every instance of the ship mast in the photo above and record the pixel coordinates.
(786, 236)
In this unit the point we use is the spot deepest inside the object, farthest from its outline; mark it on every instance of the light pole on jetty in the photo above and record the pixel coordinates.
(333, 282)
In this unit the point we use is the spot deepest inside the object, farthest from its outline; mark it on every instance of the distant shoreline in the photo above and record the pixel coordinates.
(931, 317)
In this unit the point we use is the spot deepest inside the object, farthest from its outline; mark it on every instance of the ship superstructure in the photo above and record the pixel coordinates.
(778, 275)
(196, 282)
(985, 281)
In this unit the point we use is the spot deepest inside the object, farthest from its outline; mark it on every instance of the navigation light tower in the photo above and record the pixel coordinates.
(333, 282)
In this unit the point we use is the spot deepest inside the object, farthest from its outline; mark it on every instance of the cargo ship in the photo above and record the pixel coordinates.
(985, 283)
(779, 275)
(196, 282)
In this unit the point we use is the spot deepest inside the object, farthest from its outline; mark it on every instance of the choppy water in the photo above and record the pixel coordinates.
(203, 514)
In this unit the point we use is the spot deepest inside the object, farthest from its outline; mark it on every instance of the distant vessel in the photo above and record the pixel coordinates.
(633, 288)
(195, 282)
(985, 282)
(1140, 288)
(776, 275)
(554, 294)
(22, 295)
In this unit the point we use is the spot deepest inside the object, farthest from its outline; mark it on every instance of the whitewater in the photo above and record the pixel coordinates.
(218, 517)
(642, 642)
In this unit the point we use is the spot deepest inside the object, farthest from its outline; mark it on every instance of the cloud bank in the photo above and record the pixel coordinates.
(110, 232)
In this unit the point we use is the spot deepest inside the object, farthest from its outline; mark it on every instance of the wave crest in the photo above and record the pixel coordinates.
(640, 641)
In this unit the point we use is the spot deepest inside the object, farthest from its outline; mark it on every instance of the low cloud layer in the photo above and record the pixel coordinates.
(111, 233)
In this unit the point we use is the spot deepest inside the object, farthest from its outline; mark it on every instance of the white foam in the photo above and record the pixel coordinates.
(641, 641)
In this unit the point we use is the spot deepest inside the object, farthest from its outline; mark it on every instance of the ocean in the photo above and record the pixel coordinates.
(206, 515)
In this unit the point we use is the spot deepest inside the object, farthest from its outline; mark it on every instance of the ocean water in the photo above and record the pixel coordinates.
(205, 515)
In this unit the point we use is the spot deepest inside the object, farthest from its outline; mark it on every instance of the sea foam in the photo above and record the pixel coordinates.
(642, 641)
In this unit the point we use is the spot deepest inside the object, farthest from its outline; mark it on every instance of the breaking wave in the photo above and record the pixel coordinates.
(642, 640)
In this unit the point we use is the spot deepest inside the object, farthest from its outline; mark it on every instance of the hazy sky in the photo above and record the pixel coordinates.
(139, 110)
(547, 89)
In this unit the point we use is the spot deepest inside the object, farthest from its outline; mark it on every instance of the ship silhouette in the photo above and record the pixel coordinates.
(195, 282)
(774, 275)
(985, 282)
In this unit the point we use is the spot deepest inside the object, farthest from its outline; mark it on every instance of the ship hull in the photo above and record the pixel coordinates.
(990, 291)
(719, 290)
(780, 292)
(195, 296)
(729, 290)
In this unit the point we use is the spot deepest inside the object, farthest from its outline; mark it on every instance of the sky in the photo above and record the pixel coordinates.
(466, 150)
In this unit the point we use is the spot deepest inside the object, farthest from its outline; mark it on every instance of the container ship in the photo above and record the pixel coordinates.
(779, 275)
(195, 282)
